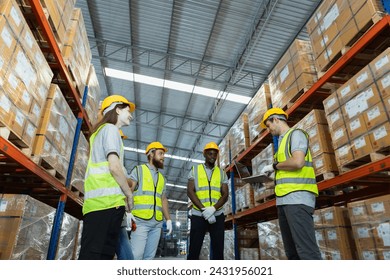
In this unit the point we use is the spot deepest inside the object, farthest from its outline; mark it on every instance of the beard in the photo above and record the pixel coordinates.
(158, 164)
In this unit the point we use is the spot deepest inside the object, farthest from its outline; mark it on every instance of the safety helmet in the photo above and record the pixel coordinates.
(155, 145)
(122, 135)
(271, 112)
(211, 145)
(114, 99)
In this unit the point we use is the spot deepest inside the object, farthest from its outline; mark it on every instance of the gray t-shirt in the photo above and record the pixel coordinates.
(209, 172)
(299, 142)
(107, 141)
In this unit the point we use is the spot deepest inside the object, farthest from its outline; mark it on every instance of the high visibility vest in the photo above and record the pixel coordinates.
(101, 189)
(148, 196)
(208, 192)
(303, 179)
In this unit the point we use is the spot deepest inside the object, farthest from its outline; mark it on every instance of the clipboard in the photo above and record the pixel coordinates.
(261, 178)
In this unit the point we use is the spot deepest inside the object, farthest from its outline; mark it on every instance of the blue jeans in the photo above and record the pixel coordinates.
(144, 241)
(123, 248)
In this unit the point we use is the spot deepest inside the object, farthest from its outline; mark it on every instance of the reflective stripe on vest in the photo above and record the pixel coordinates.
(101, 189)
(208, 192)
(303, 179)
(148, 196)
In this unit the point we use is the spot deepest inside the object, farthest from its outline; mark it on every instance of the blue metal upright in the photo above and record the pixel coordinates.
(55, 233)
(386, 5)
(236, 251)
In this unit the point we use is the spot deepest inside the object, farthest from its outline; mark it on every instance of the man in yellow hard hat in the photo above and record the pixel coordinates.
(295, 187)
(150, 203)
(208, 190)
(107, 192)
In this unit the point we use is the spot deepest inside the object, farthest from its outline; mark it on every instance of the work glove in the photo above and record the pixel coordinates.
(208, 212)
(267, 170)
(212, 219)
(130, 220)
(169, 227)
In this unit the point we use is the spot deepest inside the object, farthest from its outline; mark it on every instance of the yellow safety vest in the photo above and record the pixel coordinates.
(208, 192)
(303, 179)
(148, 196)
(101, 189)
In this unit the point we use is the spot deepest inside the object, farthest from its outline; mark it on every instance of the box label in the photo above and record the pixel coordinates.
(3, 205)
(329, 216)
(315, 148)
(379, 133)
(5, 103)
(283, 74)
(378, 207)
(381, 62)
(360, 143)
(319, 163)
(334, 117)
(358, 211)
(330, 17)
(331, 102)
(363, 232)
(332, 235)
(7, 37)
(343, 151)
(362, 78)
(386, 81)
(30, 130)
(338, 134)
(373, 113)
(15, 16)
(384, 233)
(345, 91)
(368, 255)
(354, 124)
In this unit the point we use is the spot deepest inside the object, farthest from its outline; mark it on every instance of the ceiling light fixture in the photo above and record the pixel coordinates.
(129, 76)
(178, 201)
(129, 149)
(176, 186)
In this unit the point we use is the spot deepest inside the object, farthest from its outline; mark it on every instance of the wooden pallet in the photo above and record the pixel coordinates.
(48, 167)
(13, 138)
(267, 196)
(372, 157)
(325, 176)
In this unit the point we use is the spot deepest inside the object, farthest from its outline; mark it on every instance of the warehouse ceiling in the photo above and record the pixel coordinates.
(174, 55)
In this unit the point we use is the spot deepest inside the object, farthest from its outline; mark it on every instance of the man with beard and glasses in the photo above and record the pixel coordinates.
(208, 190)
(150, 203)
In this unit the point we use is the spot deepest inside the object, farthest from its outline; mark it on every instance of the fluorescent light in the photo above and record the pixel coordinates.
(176, 186)
(124, 75)
(129, 149)
(178, 201)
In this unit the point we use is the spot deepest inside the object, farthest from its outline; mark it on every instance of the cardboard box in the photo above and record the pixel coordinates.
(345, 92)
(363, 235)
(380, 137)
(335, 119)
(361, 146)
(383, 254)
(384, 85)
(379, 208)
(343, 155)
(339, 137)
(375, 116)
(381, 64)
(324, 163)
(10, 10)
(331, 103)
(6, 107)
(381, 231)
(29, 133)
(335, 216)
(356, 127)
(338, 243)
(358, 212)
(320, 238)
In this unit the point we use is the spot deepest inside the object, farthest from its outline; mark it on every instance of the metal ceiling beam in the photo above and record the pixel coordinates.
(153, 56)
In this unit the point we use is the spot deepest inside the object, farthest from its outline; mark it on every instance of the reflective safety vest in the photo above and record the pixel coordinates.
(101, 189)
(303, 179)
(148, 196)
(208, 192)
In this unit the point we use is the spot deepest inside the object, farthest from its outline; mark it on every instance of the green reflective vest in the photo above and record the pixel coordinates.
(101, 189)
(148, 196)
(208, 192)
(303, 179)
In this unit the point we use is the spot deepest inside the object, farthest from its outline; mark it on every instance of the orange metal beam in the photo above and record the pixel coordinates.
(356, 173)
(48, 33)
(13, 152)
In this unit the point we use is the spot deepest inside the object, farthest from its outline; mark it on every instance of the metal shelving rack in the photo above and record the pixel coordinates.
(374, 174)
(30, 178)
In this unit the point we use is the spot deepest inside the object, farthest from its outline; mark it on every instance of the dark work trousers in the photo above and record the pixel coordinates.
(199, 227)
(101, 233)
(297, 228)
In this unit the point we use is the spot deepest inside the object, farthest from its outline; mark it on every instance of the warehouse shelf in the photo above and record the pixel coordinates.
(373, 42)
(19, 174)
(71, 94)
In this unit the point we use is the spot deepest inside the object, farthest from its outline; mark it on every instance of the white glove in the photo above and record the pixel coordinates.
(267, 170)
(129, 221)
(212, 219)
(208, 212)
(169, 227)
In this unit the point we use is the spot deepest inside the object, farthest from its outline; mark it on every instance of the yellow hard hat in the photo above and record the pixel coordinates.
(211, 145)
(116, 98)
(155, 145)
(271, 112)
(122, 135)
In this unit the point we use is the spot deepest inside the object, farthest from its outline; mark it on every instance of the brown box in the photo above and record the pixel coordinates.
(339, 136)
(381, 232)
(362, 79)
(343, 155)
(381, 64)
(356, 127)
(335, 119)
(386, 101)
(384, 85)
(363, 235)
(320, 140)
(375, 116)
(321, 240)
(338, 243)
(345, 92)
(383, 254)
(6, 107)
(358, 212)
(380, 136)
(18, 120)
(331, 103)
(324, 163)
(10, 10)
(379, 208)
(29, 133)
(335, 216)
(361, 146)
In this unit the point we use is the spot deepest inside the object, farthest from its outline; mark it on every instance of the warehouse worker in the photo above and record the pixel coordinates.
(208, 190)
(123, 248)
(107, 192)
(150, 203)
(295, 187)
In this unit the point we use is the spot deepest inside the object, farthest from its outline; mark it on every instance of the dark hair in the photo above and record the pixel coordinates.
(110, 117)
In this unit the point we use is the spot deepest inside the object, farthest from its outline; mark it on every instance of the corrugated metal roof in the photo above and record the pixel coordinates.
(229, 45)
